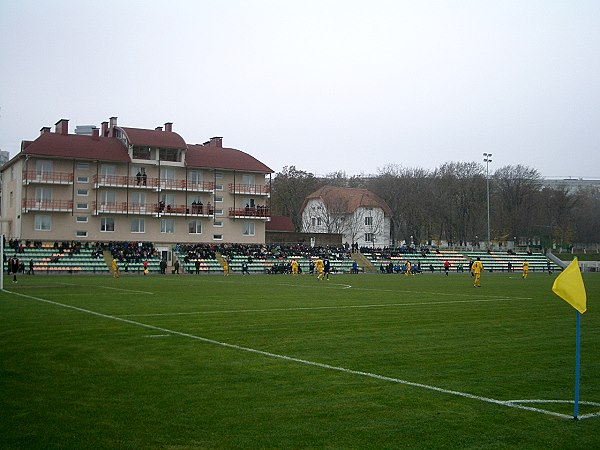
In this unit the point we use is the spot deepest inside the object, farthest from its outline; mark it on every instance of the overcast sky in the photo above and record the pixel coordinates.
(322, 85)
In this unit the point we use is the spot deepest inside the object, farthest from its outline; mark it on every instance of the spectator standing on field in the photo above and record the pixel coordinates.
(446, 267)
(176, 266)
(30, 267)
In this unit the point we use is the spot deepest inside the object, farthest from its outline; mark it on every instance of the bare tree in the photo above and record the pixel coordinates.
(290, 188)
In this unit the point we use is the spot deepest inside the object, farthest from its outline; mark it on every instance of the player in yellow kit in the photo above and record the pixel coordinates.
(320, 267)
(476, 270)
(294, 267)
(525, 269)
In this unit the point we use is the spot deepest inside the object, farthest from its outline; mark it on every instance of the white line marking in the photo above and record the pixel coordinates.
(156, 335)
(509, 404)
(124, 290)
(316, 308)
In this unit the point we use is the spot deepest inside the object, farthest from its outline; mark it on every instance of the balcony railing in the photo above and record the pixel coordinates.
(152, 183)
(31, 204)
(32, 176)
(256, 212)
(250, 189)
(154, 209)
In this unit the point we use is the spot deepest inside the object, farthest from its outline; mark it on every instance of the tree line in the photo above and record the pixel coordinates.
(450, 203)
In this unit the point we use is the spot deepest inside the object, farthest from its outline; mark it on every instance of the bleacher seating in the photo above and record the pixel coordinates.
(492, 262)
(47, 260)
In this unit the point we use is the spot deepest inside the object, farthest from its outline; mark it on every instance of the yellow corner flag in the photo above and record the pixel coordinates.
(569, 286)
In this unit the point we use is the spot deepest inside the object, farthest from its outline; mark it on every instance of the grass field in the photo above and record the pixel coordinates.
(361, 361)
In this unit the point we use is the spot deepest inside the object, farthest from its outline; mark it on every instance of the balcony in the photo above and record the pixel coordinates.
(153, 209)
(256, 212)
(32, 204)
(31, 176)
(152, 183)
(249, 189)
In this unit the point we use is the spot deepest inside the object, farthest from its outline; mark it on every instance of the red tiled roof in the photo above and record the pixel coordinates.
(223, 158)
(153, 138)
(76, 146)
(352, 197)
(280, 223)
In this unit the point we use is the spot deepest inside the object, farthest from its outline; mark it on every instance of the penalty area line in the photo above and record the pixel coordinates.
(509, 403)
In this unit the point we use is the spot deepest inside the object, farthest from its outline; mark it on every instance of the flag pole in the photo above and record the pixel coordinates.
(563, 265)
(577, 358)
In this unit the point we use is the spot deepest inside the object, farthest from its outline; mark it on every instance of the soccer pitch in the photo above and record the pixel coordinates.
(275, 361)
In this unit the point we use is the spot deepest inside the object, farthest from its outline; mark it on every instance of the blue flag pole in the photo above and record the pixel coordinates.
(577, 355)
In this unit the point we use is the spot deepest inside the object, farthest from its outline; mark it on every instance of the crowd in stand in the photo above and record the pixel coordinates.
(131, 252)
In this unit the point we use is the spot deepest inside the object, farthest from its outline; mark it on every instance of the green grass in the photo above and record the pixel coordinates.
(281, 362)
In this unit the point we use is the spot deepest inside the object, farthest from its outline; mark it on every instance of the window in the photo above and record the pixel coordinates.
(369, 220)
(319, 221)
(82, 192)
(369, 237)
(141, 152)
(167, 173)
(83, 166)
(168, 199)
(82, 206)
(107, 197)
(218, 175)
(83, 179)
(167, 226)
(42, 223)
(137, 226)
(43, 167)
(138, 198)
(81, 233)
(218, 223)
(195, 227)
(219, 212)
(313, 221)
(108, 170)
(219, 199)
(218, 187)
(43, 194)
(248, 180)
(107, 224)
(217, 237)
(81, 219)
(195, 176)
(168, 154)
(248, 229)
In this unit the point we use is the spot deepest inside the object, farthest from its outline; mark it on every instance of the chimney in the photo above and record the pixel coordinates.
(44, 130)
(95, 134)
(216, 142)
(104, 129)
(111, 127)
(158, 129)
(169, 126)
(62, 127)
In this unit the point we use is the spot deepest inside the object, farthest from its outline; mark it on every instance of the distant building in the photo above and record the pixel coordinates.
(571, 184)
(4, 157)
(360, 216)
(118, 183)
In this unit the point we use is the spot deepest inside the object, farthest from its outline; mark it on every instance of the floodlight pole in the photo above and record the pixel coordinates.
(487, 158)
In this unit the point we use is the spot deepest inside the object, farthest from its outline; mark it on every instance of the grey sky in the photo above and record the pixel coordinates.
(323, 85)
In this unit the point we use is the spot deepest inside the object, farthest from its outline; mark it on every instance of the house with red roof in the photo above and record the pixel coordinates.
(359, 215)
(116, 183)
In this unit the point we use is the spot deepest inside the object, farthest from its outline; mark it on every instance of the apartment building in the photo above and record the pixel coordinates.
(118, 183)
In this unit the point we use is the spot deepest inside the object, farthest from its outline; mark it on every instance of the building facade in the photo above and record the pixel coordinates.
(358, 215)
(130, 184)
